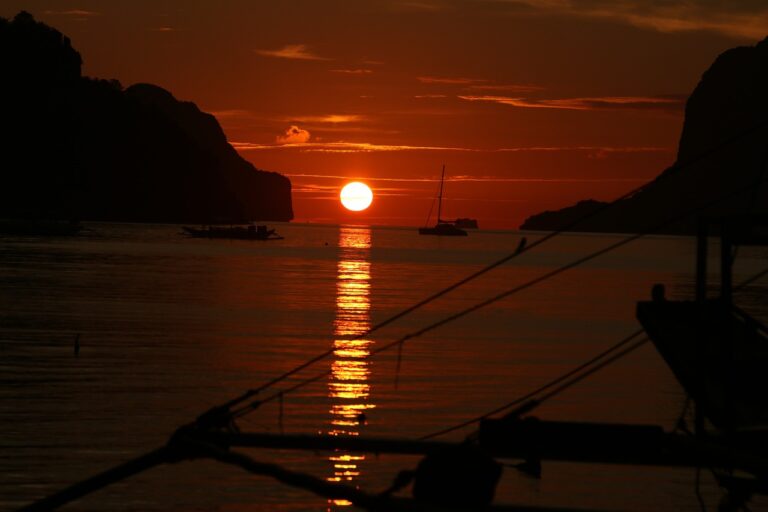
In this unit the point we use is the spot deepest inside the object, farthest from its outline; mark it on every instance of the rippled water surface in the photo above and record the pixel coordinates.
(170, 326)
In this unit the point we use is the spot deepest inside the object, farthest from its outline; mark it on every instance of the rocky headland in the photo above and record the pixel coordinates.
(721, 162)
(74, 147)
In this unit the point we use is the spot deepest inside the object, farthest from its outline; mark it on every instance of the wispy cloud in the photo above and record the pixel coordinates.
(327, 123)
(423, 6)
(292, 51)
(79, 15)
(333, 189)
(448, 80)
(231, 113)
(600, 149)
(313, 188)
(495, 179)
(344, 147)
(236, 113)
(330, 118)
(671, 102)
(743, 19)
(466, 179)
(507, 87)
(366, 147)
(364, 178)
(479, 84)
(73, 12)
(163, 29)
(430, 96)
(293, 135)
(356, 71)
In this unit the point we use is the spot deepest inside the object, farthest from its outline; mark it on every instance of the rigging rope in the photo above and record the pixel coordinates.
(577, 369)
(544, 277)
(538, 390)
(431, 207)
(520, 250)
(752, 279)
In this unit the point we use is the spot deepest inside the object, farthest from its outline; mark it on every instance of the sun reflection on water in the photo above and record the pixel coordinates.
(348, 386)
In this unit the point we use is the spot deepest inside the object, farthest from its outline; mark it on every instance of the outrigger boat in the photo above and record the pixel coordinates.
(719, 355)
(250, 232)
(717, 352)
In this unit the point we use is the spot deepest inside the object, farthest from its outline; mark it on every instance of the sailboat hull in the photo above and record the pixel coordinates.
(718, 354)
(443, 230)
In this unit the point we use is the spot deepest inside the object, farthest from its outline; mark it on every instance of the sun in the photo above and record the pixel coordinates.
(356, 196)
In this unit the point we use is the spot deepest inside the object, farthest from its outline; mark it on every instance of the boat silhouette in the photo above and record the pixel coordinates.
(442, 228)
(249, 232)
(717, 352)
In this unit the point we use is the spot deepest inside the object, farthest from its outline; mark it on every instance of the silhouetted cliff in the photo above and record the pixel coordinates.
(72, 146)
(721, 161)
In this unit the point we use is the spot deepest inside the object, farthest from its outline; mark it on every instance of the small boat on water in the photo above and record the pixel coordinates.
(249, 232)
(442, 228)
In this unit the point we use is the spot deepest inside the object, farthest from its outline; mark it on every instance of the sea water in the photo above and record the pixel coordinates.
(169, 326)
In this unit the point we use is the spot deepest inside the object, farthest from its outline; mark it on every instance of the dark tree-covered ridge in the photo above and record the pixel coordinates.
(79, 147)
(722, 159)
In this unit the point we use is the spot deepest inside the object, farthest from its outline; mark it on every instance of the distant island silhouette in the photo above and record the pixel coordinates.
(723, 152)
(74, 147)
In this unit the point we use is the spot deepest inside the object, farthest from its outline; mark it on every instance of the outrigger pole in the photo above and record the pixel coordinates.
(529, 439)
(76, 491)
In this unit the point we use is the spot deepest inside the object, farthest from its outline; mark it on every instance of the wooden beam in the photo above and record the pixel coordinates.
(362, 499)
(324, 442)
(544, 440)
(607, 443)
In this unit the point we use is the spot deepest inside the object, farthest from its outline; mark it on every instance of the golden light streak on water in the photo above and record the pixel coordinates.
(348, 386)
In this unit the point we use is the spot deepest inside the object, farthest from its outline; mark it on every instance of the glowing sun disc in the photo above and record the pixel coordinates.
(356, 196)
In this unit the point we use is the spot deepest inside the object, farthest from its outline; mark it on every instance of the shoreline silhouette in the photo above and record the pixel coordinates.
(722, 149)
(133, 154)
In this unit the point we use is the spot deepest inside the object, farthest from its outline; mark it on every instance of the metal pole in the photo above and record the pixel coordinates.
(440, 197)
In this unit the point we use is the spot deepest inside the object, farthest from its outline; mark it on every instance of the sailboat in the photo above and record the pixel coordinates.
(442, 228)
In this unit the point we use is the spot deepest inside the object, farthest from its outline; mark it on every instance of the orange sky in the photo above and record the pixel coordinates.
(530, 104)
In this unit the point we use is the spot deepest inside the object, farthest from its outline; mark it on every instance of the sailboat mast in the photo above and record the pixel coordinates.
(440, 196)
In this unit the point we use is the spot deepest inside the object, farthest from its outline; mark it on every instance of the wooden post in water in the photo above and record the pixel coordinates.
(701, 296)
